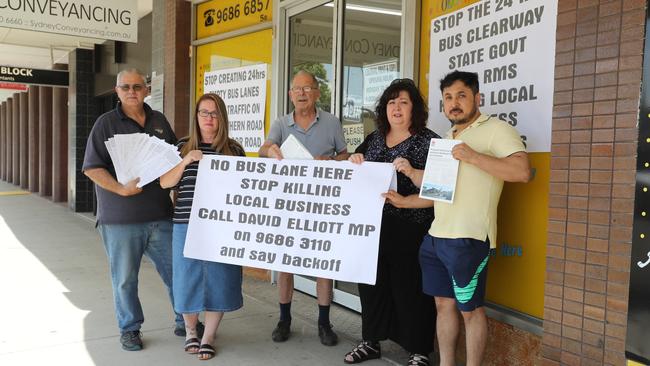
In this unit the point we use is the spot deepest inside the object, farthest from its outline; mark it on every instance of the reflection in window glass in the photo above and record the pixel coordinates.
(371, 61)
(310, 48)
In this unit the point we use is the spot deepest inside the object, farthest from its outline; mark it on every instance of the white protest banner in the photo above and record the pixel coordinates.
(511, 45)
(316, 218)
(116, 20)
(243, 89)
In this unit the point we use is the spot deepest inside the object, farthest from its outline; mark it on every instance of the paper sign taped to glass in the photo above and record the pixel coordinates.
(440, 172)
(310, 217)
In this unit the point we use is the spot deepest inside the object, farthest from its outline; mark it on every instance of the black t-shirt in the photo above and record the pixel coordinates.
(414, 149)
(153, 203)
(185, 186)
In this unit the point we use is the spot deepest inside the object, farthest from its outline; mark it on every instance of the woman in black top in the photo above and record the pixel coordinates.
(395, 307)
(201, 285)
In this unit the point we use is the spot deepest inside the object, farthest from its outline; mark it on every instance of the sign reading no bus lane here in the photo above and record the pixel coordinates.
(311, 217)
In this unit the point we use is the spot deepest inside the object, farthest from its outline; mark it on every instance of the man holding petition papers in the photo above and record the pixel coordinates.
(321, 134)
(454, 254)
(132, 221)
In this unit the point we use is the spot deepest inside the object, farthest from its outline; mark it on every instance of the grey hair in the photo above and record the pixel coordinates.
(308, 73)
(131, 71)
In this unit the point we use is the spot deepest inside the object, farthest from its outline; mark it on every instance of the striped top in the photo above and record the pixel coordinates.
(185, 186)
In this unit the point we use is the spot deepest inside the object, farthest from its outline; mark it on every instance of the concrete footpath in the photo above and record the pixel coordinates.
(57, 307)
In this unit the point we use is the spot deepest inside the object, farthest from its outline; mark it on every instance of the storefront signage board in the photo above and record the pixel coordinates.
(26, 75)
(115, 20)
(221, 16)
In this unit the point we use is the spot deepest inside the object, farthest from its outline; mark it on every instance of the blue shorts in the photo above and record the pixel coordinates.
(455, 268)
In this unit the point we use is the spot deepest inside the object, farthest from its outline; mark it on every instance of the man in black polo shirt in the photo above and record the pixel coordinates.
(132, 221)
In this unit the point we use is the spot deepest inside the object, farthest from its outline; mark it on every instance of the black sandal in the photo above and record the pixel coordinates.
(363, 352)
(192, 346)
(416, 359)
(206, 350)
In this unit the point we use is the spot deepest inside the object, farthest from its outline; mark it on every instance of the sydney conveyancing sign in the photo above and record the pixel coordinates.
(115, 20)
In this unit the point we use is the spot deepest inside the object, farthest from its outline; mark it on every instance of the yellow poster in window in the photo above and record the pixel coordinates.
(245, 50)
(221, 16)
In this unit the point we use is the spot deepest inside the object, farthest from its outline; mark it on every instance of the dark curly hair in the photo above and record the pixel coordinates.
(419, 114)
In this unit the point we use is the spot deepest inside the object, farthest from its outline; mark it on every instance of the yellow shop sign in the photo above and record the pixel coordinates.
(220, 16)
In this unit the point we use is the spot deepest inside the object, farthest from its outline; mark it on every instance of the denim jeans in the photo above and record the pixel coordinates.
(125, 245)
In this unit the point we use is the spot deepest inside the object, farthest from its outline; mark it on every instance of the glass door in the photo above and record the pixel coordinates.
(354, 48)
(310, 47)
(371, 60)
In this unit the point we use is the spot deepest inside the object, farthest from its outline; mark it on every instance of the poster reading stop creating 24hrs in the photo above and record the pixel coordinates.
(243, 90)
(508, 43)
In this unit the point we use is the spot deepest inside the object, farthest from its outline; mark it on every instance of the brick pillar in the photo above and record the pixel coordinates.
(81, 117)
(45, 141)
(32, 137)
(599, 51)
(177, 64)
(59, 144)
(3, 135)
(24, 142)
(15, 140)
(9, 115)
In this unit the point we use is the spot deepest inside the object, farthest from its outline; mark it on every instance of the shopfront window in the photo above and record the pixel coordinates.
(371, 60)
(310, 48)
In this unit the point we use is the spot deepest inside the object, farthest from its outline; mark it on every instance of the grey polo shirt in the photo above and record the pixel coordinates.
(153, 203)
(324, 136)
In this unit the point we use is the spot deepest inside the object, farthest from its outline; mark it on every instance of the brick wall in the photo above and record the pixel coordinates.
(597, 81)
(177, 64)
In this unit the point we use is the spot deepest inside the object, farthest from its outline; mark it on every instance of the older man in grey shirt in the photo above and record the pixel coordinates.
(321, 133)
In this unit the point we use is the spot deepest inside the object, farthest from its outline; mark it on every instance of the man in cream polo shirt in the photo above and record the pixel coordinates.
(454, 254)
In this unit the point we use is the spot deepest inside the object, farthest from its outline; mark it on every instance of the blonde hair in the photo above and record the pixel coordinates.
(222, 142)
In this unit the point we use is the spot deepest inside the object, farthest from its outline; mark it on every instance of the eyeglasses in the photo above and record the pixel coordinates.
(304, 89)
(204, 113)
(403, 81)
(127, 87)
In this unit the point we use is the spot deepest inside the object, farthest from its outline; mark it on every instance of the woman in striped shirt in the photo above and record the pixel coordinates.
(211, 287)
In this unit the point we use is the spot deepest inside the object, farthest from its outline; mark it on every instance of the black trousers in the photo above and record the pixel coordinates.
(395, 307)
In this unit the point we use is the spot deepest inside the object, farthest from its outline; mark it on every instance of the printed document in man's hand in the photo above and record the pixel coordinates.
(441, 171)
(138, 155)
(292, 149)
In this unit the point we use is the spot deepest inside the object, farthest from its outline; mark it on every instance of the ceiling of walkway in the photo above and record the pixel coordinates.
(42, 50)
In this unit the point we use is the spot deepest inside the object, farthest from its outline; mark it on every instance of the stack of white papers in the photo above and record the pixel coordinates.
(138, 155)
(293, 149)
